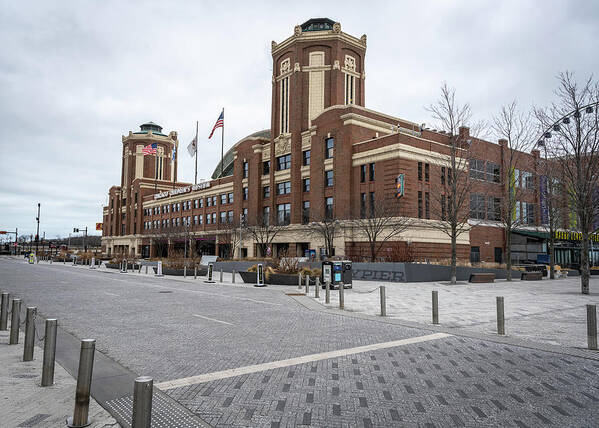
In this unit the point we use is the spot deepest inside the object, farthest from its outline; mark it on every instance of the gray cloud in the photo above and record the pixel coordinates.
(75, 76)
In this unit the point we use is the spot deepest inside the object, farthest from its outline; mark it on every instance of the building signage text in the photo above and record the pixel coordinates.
(180, 190)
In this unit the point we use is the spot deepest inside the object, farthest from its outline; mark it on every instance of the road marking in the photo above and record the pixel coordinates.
(110, 294)
(212, 319)
(209, 377)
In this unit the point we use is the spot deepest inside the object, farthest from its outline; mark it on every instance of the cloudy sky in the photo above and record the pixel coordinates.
(76, 75)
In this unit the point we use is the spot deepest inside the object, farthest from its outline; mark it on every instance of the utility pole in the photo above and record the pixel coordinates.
(85, 240)
(37, 234)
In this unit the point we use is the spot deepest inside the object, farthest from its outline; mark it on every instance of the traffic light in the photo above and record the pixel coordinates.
(75, 230)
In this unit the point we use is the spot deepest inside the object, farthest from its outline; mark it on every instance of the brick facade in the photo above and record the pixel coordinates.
(318, 93)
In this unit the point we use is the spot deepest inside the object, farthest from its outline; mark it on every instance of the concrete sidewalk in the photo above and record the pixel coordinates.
(23, 403)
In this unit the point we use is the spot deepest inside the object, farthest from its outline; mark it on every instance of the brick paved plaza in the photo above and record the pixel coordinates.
(234, 355)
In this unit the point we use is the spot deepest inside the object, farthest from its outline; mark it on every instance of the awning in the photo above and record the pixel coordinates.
(532, 233)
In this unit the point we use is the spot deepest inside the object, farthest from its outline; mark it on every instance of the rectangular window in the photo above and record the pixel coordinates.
(306, 184)
(284, 105)
(329, 151)
(245, 170)
(328, 211)
(208, 219)
(371, 174)
(426, 172)
(201, 202)
(195, 220)
(493, 172)
(245, 193)
(230, 198)
(266, 216)
(350, 89)
(283, 162)
(195, 203)
(477, 169)
(214, 200)
(266, 192)
(372, 204)
(229, 216)
(443, 208)
(477, 206)
(362, 205)
(419, 203)
(517, 178)
(528, 181)
(283, 214)
(266, 167)
(306, 157)
(223, 199)
(305, 212)
(419, 171)
(284, 188)
(362, 173)
(209, 201)
(474, 254)
(427, 205)
(213, 218)
(328, 178)
(201, 218)
(443, 175)
(530, 213)
(493, 208)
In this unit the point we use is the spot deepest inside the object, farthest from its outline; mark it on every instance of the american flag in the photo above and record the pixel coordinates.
(150, 149)
(220, 122)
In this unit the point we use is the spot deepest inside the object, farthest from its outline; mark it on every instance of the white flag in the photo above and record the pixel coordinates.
(192, 147)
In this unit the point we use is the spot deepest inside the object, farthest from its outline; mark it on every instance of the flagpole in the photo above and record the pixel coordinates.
(222, 145)
(196, 174)
(156, 170)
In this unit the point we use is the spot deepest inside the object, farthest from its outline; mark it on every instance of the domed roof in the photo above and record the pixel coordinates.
(228, 157)
(318, 24)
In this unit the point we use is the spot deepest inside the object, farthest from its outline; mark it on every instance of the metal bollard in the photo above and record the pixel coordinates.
(500, 316)
(159, 269)
(221, 275)
(195, 272)
(233, 277)
(341, 297)
(146, 269)
(4, 311)
(592, 326)
(383, 301)
(317, 288)
(435, 307)
(142, 402)
(184, 271)
(299, 280)
(49, 352)
(92, 264)
(29, 333)
(15, 320)
(84, 382)
(307, 284)
(327, 293)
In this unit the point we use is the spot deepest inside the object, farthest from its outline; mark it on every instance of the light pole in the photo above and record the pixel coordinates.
(76, 230)
(37, 234)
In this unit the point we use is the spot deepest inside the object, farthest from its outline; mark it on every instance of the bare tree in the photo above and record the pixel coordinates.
(552, 194)
(263, 235)
(323, 225)
(231, 235)
(572, 139)
(451, 202)
(381, 224)
(514, 129)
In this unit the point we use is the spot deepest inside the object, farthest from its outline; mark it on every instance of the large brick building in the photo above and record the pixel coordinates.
(325, 154)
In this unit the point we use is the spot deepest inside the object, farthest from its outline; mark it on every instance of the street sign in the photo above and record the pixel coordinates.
(3, 232)
(98, 226)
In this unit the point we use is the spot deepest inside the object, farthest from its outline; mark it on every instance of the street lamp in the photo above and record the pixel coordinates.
(37, 234)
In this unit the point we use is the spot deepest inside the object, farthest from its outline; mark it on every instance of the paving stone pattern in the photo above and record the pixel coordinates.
(449, 382)
(548, 311)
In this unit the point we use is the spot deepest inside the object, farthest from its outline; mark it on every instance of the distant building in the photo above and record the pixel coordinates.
(325, 154)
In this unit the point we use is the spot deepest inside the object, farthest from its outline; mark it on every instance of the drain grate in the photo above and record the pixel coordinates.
(165, 412)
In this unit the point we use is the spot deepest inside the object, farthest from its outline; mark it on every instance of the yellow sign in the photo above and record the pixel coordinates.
(567, 235)
(98, 226)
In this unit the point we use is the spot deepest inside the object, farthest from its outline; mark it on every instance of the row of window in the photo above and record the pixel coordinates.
(209, 201)
(370, 167)
(284, 161)
(489, 207)
(481, 170)
(283, 217)
(211, 218)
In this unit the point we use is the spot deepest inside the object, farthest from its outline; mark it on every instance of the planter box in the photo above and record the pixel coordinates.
(275, 278)
(118, 266)
(180, 272)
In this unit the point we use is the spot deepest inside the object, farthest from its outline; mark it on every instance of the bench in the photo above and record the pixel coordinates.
(482, 277)
(531, 276)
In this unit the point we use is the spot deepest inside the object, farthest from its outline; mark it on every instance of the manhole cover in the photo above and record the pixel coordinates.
(165, 291)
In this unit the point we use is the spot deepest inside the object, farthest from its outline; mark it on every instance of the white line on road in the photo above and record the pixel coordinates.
(212, 319)
(209, 377)
(110, 294)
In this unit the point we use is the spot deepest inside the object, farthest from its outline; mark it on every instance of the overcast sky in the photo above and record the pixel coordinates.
(76, 75)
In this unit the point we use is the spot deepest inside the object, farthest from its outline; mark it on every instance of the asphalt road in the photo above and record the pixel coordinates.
(243, 343)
